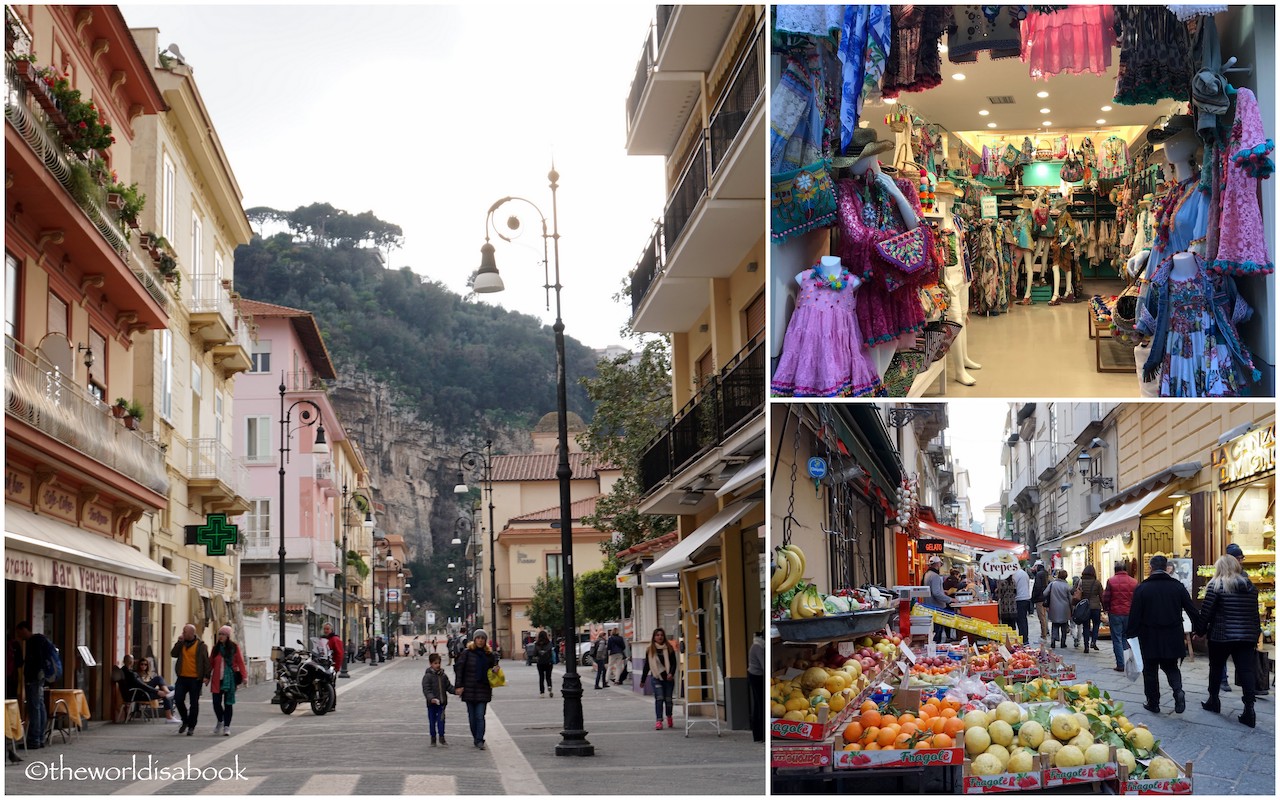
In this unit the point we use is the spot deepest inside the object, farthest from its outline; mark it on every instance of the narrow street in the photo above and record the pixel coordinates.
(377, 743)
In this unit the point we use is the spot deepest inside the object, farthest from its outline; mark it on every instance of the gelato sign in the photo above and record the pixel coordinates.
(998, 565)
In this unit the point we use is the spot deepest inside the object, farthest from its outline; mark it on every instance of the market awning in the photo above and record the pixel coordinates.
(969, 539)
(752, 471)
(1122, 518)
(681, 556)
(44, 550)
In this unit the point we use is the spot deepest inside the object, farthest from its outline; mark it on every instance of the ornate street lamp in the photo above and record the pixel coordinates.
(308, 416)
(347, 502)
(573, 739)
(482, 464)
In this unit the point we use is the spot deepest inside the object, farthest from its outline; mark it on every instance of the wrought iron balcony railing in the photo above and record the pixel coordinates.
(739, 100)
(210, 460)
(648, 268)
(41, 396)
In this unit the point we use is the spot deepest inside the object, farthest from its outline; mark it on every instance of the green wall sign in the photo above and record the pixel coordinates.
(215, 534)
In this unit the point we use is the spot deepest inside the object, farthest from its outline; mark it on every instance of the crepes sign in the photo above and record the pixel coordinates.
(999, 564)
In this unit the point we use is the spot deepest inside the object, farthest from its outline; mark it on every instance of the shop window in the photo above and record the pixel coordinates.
(856, 543)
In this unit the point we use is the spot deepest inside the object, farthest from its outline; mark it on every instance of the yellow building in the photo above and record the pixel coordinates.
(698, 100)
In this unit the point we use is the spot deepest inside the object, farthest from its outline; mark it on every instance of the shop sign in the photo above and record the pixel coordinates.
(58, 502)
(998, 565)
(1242, 458)
(17, 486)
(930, 546)
(29, 568)
(216, 534)
(628, 581)
(817, 468)
(989, 209)
(97, 517)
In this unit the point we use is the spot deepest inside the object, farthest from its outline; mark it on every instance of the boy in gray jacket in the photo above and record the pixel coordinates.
(436, 688)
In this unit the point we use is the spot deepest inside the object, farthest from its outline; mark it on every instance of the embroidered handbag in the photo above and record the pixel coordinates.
(902, 372)
(801, 200)
(939, 335)
(907, 254)
(1072, 169)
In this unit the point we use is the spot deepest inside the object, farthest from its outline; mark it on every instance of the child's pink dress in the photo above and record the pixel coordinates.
(822, 354)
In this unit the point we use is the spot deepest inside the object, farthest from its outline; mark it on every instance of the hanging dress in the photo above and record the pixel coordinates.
(1246, 160)
(915, 63)
(1197, 362)
(1075, 39)
(822, 353)
(889, 305)
(1155, 56)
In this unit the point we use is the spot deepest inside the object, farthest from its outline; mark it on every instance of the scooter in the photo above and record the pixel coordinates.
(307, 677)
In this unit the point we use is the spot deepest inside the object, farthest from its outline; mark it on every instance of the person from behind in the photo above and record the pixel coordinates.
(600, 655)
(1155, 619)
(542, 656)
(1116, 599)
(436, 688)
(1229, 618)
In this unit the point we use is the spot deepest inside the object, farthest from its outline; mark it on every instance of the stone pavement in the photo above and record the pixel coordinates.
(1227, 757)
(377, 743)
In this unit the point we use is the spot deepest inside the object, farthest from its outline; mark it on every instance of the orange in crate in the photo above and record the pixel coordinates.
(871, 718)
(942, 741)
(853, 731)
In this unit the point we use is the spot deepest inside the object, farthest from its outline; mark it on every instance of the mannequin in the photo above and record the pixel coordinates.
(1066, 236)
(1043, 241)
(1178, 152)
(958, 310)
(882, 353)
(1184, 267)
(1024, 250)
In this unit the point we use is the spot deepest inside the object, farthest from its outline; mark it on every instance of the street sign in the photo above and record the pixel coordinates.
(817, 468)
(628, 581)
(215, 534)
(393, 595)
(431, 618)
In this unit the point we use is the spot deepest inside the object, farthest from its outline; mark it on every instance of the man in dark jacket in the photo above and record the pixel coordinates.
(617, 657)
(1116, 600)
(1155, 618)
(192, 668)
(34, 653)
(1037, 599)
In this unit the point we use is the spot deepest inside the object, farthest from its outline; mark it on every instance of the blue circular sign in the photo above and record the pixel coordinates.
(817, 468)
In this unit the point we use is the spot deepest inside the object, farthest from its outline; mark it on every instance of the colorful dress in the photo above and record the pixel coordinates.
(822, 353)
(1155, 56)
(889, 304)
(1113, 160)
(915, 63)
(1074, 39)
(1196, 362)
(1246, 160)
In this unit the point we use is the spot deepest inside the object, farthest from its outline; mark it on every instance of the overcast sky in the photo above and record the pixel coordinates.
(975, 431)
(426, 115)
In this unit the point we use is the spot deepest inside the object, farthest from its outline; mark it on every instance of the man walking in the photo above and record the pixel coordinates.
(1023, 586)
(600, 655)
(35, 653)
(339, 653)
(192, 668)
(1037, 599)
(1155, 618)
(937, 597)
(617, 657)
(1116, 599)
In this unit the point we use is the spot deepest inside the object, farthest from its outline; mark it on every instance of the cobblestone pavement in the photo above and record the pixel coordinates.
(377, 743)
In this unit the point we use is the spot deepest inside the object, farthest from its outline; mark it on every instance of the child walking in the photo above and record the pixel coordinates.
(436, 688)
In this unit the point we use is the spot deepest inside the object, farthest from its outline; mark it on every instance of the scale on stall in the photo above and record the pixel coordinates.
(909, 625)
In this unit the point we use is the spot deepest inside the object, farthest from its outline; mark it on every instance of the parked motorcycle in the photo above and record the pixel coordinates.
(307, 677)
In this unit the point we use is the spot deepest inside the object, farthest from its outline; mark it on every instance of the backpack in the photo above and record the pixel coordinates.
(1080, 613)
(51, 671)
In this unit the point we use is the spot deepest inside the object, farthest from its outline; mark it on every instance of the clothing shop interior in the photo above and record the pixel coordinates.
(995, 201)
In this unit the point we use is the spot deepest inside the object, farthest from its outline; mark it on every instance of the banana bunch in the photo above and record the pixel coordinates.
(789, 570)
(807, 603)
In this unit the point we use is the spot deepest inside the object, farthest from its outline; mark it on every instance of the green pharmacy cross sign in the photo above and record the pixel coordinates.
(215, 534)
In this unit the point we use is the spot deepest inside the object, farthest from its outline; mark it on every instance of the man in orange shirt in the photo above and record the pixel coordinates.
(192, 668)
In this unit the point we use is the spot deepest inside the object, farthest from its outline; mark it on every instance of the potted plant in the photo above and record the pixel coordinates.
(135, 414)
(120, 409)
(168, 265)
(85, 129)
(25, 66)
(127, 201)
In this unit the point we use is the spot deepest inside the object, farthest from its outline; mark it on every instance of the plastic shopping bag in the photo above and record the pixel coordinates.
(1132, 660)
(497, 677)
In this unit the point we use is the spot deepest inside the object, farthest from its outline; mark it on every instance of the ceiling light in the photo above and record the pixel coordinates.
(1101, 121)
(983, 113)
(1046, 123)
(1044, 111)
(891, 100)
(1106, 108)
(1042, 94)
(959, 76)
(991, 124)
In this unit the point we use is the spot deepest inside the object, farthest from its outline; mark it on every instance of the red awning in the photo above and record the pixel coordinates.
(968, 539)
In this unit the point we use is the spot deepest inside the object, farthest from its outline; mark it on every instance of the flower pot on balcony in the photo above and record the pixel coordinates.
(115, 201)
(131, 422)
(119, 412)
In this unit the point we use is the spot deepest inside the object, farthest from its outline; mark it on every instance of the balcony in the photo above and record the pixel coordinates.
(233, 356)
(721, 409)
(37, 394)
(304, 381)
(324, 478)
(215, 478)
(213, 316)
(736, 136)
(43, 178)
(679, 49)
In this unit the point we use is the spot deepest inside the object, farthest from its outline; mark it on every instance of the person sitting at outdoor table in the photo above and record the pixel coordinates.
(164, 692)
(132, 688)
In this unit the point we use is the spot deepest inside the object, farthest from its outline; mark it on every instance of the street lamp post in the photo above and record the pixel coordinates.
(482, 463)
(573, 739)
(309, 415)
(368, 524)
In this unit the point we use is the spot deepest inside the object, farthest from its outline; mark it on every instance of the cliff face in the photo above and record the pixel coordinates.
(413, 464)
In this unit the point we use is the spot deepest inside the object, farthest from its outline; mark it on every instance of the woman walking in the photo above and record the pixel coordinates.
(1229, 616)
(1091, 589)
(661, 661)
(227, 670)
(471, 681)
(1006, 595)
(1057, 598)
(542, 657)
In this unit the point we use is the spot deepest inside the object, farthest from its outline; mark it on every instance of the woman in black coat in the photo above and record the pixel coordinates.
(542, 657)
(471, 681)
(1229, 616)
(1155, 618)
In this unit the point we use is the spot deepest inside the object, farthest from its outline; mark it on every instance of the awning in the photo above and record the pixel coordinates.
(1116, 521)
(47, 551)
(969, 539)
(752, 471)
(681, 556)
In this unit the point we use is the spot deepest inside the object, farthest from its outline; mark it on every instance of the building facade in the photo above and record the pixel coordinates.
(698, 100)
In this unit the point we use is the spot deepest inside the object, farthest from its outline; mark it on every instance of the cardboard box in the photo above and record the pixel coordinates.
(1030, 781)
(785, 755)
(1183, 784)
(1087, 773)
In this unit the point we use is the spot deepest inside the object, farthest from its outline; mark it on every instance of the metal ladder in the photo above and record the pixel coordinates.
(705, 682)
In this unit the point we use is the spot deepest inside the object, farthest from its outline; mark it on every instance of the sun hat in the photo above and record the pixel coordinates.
(865, 142)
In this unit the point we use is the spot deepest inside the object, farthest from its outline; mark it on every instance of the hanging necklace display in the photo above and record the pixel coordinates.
(833, 282)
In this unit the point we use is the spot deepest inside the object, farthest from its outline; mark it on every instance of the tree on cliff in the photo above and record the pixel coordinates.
(632, 397)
